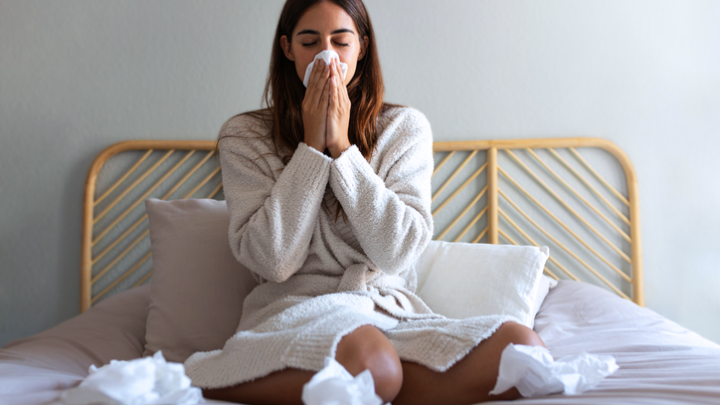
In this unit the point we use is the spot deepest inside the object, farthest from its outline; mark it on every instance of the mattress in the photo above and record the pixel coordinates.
(660, 361)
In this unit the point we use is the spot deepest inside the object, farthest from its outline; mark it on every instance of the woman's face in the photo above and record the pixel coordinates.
(324, 26)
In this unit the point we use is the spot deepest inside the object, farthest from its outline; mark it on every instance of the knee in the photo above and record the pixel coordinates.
(368, 349)
(515, 333)
(387, 373)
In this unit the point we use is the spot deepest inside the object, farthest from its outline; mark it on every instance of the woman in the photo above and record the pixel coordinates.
(328, 191)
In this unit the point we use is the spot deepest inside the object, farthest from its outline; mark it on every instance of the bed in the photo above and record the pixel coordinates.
(576, 195)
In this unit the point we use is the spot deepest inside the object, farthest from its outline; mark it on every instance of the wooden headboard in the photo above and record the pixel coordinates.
(579, 196)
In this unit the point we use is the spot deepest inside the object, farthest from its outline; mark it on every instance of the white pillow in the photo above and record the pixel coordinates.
(462, 280)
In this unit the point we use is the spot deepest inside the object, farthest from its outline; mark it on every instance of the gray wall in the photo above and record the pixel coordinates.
(76, 76)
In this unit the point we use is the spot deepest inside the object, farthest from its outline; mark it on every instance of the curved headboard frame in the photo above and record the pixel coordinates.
(492, 146)
(492, 192)
(89, 198)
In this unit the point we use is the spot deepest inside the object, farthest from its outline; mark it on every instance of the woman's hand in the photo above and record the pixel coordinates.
(315, 106)
(338, 113)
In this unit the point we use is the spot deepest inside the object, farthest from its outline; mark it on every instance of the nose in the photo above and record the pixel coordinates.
(327, 45)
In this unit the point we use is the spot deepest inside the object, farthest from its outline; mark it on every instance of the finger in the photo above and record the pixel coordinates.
(319, 84)
(344, 91)
(308, 100)
(338, 86)
(316, 72)
(338, 71)
(336, 89)
(316, 81)
(322, 76)
(313, 77)
(325, 95)
(328, 92)
(326, 82)
(329, 69)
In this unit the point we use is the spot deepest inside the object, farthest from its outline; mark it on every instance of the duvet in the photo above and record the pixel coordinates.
(660, 361)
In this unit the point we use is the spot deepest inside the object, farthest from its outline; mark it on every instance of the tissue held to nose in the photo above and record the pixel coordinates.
(325, 56)
(534, 372)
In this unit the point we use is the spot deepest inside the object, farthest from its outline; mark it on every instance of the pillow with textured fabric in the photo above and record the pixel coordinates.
(198, 287)
(462, 280)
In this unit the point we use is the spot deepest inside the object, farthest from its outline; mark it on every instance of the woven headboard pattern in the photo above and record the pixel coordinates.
(576, 195)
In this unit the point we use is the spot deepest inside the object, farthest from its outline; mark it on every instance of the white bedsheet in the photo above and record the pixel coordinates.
(660, 362)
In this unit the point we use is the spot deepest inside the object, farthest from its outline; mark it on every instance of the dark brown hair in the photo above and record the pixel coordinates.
(284, 91)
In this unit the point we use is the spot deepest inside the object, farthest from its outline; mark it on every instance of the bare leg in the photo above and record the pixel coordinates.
(280, 387)
(364, 348)
(471, 379)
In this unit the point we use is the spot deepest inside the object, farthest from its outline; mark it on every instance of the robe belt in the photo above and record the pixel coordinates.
(389, 291)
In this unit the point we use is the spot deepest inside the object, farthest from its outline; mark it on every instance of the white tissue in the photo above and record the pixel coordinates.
(325, 55)
(333, 385)
(145, 381)
(534, 372)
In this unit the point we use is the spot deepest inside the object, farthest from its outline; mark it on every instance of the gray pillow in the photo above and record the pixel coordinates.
(198, 287)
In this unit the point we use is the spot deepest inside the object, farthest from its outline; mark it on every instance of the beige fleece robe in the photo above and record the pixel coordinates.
(322, 278)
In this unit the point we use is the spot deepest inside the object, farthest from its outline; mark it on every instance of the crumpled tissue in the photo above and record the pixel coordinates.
(325, 55)
(334, 385)
(534, 372)
(145, 381)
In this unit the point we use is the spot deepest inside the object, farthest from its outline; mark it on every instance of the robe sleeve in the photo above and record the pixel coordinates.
(271, 220)
(391, 215)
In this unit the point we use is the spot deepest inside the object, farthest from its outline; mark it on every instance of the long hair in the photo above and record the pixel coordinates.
(284, 91)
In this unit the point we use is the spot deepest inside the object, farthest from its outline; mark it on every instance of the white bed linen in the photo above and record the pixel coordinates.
(660, 362)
